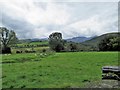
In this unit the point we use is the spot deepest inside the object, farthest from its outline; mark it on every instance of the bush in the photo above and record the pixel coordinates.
(110, 43)
(44, 50)
(6, 50)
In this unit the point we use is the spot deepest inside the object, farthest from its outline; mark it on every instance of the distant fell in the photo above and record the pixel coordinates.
(79, 39)
(95, 41)
(33, 40)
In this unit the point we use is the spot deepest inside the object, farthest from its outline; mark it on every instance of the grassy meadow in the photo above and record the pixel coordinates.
(54, 70)
(37, 49)
(33, 43)
(31, 46)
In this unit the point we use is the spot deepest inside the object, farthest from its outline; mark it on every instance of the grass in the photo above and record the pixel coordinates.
(23, 57)
(17, 57)
(60, 70)
(39, 43)
(37, 49)
(34, 43)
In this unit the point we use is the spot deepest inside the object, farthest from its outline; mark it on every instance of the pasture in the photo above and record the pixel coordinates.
(34, 43)
(54, 70)
(37, 49)
(37, 46)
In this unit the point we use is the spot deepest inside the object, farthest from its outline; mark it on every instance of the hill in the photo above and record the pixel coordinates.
(32, 40)
(79, 39)
(83, 43)
(95, 41)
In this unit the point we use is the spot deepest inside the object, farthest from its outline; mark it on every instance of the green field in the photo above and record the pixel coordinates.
(37, 49)
(34, 43)
(55, 70)
(23, 46)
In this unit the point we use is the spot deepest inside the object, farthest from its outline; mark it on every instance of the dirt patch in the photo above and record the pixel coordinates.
(104, 84)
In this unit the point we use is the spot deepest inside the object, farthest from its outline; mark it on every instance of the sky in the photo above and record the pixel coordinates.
(73, 18)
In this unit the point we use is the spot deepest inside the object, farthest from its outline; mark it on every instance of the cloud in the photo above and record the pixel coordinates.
(52, 13)
(34, 19)
(92, 26)
(97, 21)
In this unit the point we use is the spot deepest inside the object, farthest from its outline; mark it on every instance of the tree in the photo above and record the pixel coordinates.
(7, 38)
(110, 43)
(73, 47)
(55, 42)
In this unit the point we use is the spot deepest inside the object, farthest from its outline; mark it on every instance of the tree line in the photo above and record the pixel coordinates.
(109, 43)
(8, 38)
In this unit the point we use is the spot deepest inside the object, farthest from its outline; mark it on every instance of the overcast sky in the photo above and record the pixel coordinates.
(35, 19)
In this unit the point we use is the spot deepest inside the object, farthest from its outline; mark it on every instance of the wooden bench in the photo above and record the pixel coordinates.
(111, 72)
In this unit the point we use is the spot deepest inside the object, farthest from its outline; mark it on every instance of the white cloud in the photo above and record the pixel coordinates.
(89, 26)
(36, 15)
(97, 21)
(34, 19)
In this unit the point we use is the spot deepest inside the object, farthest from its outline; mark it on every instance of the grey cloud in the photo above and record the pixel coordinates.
(21, 27)
(78, 11)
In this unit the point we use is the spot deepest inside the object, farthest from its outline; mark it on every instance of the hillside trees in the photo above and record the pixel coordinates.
(73, 47)
(7, 38)
(55, 42)
(110, 43)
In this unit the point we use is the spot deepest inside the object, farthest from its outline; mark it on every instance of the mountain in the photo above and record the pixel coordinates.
(37, 39)
(95, 41)
(79, 39)
(32, 40)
